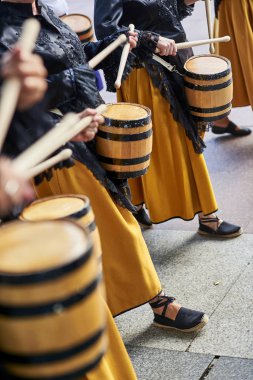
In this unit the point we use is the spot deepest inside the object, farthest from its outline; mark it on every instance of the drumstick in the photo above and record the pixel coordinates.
(123, 60)
(11, 87)
(209, 25)
(184, 45)
(63, 155)
(108, 50)
(41, 149)
(45, 146)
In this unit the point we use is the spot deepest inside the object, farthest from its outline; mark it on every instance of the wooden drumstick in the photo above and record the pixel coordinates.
(53, 140)
(63, 155)
(123, 60)
(41, 149)
(184, 45)
(108, 50)
(11, 87)
(209, 25)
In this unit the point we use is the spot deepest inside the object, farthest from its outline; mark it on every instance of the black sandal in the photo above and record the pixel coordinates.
(142, 217)
(232, 129)
(187, 320)
(225, 229)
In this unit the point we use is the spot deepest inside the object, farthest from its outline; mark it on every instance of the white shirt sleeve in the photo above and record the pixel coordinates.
(60, 7)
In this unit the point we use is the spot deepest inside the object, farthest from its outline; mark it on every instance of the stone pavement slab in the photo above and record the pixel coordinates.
(200, 272)
(231, 369)
(230, 330)
(155, 364)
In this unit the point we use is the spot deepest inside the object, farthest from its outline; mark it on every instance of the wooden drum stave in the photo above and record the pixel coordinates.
(81, 25)
(52, 321)
(209, 87)
(124, 142)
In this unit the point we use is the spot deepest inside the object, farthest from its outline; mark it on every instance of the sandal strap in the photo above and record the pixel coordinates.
(162, 301)
(209, 220)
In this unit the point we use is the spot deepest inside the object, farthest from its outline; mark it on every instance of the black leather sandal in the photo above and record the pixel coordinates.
(225, 229)
(187, 320)
(232, 129)
(142, 217)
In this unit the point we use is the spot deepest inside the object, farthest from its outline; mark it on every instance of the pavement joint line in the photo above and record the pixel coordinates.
(209, 368)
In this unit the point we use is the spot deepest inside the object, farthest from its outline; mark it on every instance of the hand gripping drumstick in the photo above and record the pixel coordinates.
(209, 25)
(70, 126)
(11, 87)
(123, 60)
(184, 45)
(63, 155)
(108, 50)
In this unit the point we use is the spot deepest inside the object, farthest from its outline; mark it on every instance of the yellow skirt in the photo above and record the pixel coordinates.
(177, 183)
(115, 364)
(129, 274)
(236, 20)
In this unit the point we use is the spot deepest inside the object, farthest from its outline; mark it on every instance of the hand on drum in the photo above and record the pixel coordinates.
(89, 133)
(14, 189)
(133, 39)
(31, 72)
(165, 46)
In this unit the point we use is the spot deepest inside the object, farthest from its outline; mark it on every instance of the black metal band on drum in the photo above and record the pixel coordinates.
(69, 376)
(84, 31)
(127, 123)
(53, 357)
(79, 214)
(198, 87)
(46, 275)
(210, 119)
(210, 110)
(53, 307)
(124, 175)
(209, 76)
(119, 137)
(123, 161)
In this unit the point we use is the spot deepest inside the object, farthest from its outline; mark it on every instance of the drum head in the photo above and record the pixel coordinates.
(34, 247)
(77, 22)
(54, 208)
(126, 111)
(206, 64)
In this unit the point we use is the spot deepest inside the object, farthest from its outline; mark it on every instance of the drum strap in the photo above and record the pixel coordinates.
(166, 64)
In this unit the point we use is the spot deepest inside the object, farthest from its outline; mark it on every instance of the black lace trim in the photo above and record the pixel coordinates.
(175, 8)
(172, 89)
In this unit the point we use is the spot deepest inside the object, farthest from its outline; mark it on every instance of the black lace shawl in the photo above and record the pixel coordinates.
(161, 17)
(66, 61)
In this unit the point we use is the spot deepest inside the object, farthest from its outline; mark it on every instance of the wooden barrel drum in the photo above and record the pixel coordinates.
(124, 142)
(209, 87)
(52, 321)
(76, 207)
(81, 25)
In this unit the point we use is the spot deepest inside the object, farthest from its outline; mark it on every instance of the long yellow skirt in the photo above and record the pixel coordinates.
(236, 20)
(129, 274)
(177, 183)
(115, 364)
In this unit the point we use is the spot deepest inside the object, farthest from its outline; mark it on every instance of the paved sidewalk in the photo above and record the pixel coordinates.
(212, 275)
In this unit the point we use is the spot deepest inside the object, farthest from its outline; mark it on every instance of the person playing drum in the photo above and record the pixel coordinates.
(177, 184)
